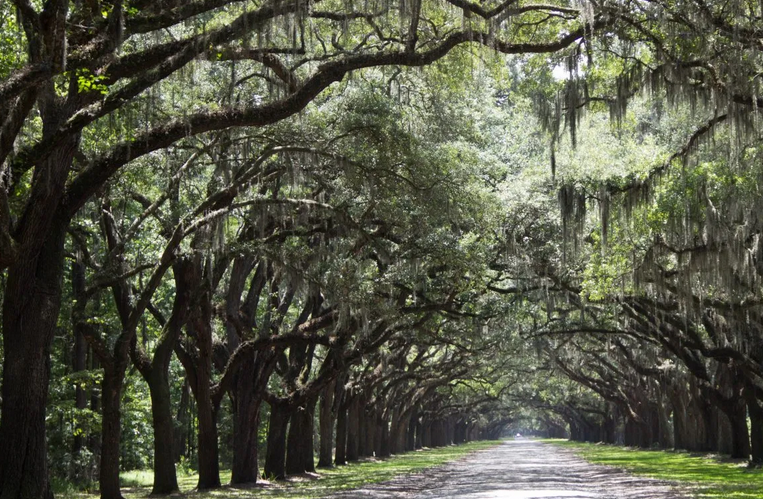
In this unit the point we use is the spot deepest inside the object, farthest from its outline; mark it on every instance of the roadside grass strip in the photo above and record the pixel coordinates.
(137, 484)
(706, 476)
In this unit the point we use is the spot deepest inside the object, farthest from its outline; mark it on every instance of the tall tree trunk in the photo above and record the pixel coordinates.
(419, 442)
(80, 352)
(79, 364)
(111, 393)
(426, 433)
(369, 416)
(275, 458)
(353, 428)
(30, 313)
(246, 423)
(736, 412)
(341, 432)
(182, 423)
(756, 427)
(676, 396)
(209, 463)
(362, 430)
(94, 440)
(410, 437)
(165, 475)
(710, 423)
(299, 445)
(326, 426)
(156, 373)
(384, 443)
(199, 370)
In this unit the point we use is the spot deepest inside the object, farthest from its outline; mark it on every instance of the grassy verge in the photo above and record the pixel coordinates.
(705, 475)
(327, 481)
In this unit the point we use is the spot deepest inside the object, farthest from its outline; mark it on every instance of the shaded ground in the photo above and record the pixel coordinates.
(519, 469)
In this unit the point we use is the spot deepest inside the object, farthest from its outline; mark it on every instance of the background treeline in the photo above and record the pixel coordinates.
(260, 235)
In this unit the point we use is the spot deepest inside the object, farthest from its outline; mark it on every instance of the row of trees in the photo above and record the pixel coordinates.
(652, 303)
(259, 213)
(316, 253)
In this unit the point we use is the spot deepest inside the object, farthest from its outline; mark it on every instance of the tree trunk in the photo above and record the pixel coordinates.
(209, 464)
(341, 433)
(165, 476)
(398, 431)
(182, 423)
(736, 413)
(326, 426)
(79, 354)
(384, 443)
(353, 429)
(756, 427)
(419, 442)
(710, 424)
(362, 430)
(246, 423)
(394, 439)
(199, 369)
(410, 438)
(111, 394)
(31, 305)
(275, 457)
(369, 426)
(299, 445)
(426, 434)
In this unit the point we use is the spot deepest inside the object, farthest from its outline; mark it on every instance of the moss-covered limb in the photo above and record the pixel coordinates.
(137, 484)
(708, 476)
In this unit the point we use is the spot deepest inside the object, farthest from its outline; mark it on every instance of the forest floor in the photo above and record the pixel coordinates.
(704, 475)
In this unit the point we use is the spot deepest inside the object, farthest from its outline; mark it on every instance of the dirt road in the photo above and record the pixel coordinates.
(520, 469)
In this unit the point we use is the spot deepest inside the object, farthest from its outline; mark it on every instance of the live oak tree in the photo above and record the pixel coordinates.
(90, 67)
(336, 226)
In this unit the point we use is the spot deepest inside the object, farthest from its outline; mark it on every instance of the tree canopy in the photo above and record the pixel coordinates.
(226, 226)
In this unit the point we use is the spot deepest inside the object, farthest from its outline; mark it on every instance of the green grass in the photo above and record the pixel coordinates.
(137, 484)
(706, 476)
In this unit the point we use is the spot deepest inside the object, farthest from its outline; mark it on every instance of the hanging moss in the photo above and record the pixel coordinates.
(572, 203)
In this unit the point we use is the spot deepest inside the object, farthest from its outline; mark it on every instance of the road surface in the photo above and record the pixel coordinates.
(519, 469)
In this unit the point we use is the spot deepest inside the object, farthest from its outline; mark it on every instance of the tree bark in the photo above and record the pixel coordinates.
(111, 393)
(80, 351)
(341, 431)
(182, 423)
(275, 458)
(209, 464)
(353, 428)
(383, 435)
(299, 446)
(756, 426)
(156, 374)
(165, 475)
(249, 390)
(30, 313)
(740, 437)
(326, 426)
(369, 426)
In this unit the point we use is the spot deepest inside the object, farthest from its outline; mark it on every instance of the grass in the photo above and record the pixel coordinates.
(137, 484)
(706, 476)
